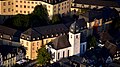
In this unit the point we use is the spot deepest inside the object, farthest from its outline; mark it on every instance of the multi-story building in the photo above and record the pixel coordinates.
(90, 4)
(13, 7)
(34, 38)
(9, 55)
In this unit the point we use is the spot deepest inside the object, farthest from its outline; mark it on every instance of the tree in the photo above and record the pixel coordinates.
(19, 21)
(55, 19)
(41, 12)
(91, 41)
(43, 56)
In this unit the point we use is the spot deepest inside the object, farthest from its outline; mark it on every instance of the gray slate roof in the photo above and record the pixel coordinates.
(60, 42)
(98, 2)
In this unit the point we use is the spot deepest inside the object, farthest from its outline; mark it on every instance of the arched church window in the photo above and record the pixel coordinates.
(77, 36)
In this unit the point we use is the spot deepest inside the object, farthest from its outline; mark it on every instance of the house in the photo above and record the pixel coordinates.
(91, 4)
(9, 55)
(33, 38)
(12, 7)
(68, 45)
(98, 57)
(9, 36)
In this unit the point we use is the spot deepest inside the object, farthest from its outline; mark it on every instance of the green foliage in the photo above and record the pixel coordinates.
(43, 56)
(91, 41)
(39, 17)
(41, 12)
(55, 19)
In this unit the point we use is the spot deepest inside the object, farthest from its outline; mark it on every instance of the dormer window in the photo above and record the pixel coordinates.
(77, 30)
(38, 38)
(42, 36)
(56, 34)
(51, 35)
(22, 36)
(27, 38)
(10, 38)
(1, 36)
(61, 34)
(33, 38)
(47, 35)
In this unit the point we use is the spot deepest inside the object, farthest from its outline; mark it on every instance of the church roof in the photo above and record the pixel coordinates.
(60, 42)
(77, 26)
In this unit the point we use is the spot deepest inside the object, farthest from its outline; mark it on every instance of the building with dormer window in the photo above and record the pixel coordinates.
(68, 45)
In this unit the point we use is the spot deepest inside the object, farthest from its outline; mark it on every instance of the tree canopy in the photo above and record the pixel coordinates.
(91, 41)
(43, 56)
(39, 17)
(55, 19)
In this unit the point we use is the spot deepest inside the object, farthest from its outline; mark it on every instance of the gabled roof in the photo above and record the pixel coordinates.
(98, 3)
(105, 36)
(60, 42)
(52, 29)
(7, 30)
(31, 33)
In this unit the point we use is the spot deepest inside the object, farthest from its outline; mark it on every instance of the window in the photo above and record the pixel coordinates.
(32, 2)
(37, 43)
(33, 44)
(28, 6)
(26, 43)
(28, 12)
(53, 55)
(58, 55)
(48, 6)
(37, 47)
(32, 7)
(54, 10)
(8, 3)
(20, 11)
(65, 7)
(4, 4)
(8, 9)
(68, 53)
(20, 1)
(24, 11)
(24, 1)
(63, 54)
(24, 6)
(71, 36)
(16, 5)
(4, 10)
(20, 6)
(77, 36)
(46, 41)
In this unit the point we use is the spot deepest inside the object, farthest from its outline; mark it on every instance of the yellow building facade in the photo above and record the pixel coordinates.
(33, 39)
(13, 7)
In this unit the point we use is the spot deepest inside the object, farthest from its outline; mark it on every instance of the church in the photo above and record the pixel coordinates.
(68, 45)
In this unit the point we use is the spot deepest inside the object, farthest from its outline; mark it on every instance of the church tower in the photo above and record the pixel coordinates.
(74, 38)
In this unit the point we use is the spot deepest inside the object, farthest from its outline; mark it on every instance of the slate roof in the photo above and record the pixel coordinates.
(105, 36)
(79, 25)
(51, 1)
(7, 32)
(31, 33)
(98, 2)
(60, 42)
